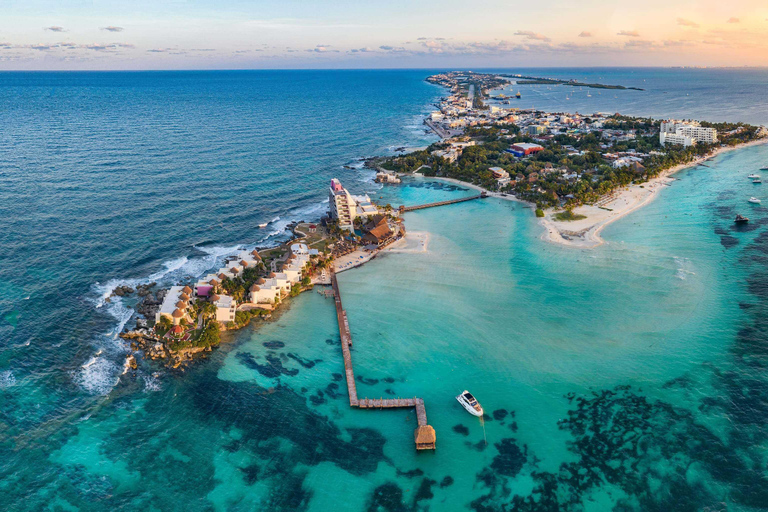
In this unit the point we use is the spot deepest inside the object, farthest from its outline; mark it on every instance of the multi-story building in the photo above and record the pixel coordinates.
(690, 129)
(674, 138)
(342, 204)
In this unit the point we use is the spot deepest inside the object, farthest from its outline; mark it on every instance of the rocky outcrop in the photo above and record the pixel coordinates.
(122, 291)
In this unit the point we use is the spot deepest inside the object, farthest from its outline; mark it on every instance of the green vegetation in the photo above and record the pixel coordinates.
(531, 80)
(568, 215)
(539, 212)
(555, 178)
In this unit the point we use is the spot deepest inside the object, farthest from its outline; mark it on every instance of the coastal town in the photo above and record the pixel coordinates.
(569, 167)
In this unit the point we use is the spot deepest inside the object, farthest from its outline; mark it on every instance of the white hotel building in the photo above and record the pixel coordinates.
(345, 207)
(686, 133)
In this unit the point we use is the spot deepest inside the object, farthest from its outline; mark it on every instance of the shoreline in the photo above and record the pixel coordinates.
(585, 233)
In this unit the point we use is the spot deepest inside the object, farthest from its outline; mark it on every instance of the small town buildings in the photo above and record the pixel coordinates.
(502, 176)
(387, 177)
(536, 129)
(522, 149)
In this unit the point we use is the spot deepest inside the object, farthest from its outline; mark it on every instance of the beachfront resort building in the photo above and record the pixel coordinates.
(687, 133)
(502, 176)
(232, 268)
(343, 206)
(226, 307)
(175, 304)
(272, 289)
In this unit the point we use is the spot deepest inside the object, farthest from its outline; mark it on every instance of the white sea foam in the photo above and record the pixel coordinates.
(7, 379)
(98, 377)
(100, 373)
(151, 383)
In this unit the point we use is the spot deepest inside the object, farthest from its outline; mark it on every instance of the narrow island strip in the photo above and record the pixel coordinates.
(577, 172)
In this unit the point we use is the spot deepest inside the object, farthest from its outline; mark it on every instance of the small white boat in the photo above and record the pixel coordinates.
(753, 176)
(263, 225)
(757, 181)
(470, 403)
(754, 200)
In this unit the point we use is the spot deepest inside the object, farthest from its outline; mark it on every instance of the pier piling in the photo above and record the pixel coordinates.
(424, 435)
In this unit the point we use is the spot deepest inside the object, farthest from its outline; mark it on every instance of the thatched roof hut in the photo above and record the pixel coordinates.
(243, 263)
(184, 297)
(213, 282)
(425, 438)
(214, 297)
(255, 288)
(187, 290)
(177, 313)
(260, 281)
(181, 304)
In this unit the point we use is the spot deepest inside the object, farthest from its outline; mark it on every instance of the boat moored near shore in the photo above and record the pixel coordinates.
(470, 403)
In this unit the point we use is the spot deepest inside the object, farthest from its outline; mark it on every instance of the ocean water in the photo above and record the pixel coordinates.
(628, 377)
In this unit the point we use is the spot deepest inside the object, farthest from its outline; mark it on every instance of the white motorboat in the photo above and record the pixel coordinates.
(757, 181)
(263, 225)
(754, 200)
(753, 176)
(470, 403)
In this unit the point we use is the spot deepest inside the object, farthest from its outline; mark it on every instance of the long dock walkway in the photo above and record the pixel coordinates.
(424, 435)
(441, 203)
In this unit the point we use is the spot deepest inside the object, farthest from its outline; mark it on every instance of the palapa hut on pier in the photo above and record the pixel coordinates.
(425, 437)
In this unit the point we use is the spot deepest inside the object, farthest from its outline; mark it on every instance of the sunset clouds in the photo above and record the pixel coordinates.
(293, 33)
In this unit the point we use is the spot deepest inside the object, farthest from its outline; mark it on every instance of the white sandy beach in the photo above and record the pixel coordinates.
(585, 233)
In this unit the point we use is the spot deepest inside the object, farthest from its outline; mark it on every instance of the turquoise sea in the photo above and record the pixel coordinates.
(627, 377)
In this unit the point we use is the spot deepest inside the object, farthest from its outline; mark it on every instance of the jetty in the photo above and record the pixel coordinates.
(441, 203)
(424, 435)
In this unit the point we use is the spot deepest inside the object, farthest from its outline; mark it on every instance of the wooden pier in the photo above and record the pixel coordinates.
(441, 203)
(424, 435)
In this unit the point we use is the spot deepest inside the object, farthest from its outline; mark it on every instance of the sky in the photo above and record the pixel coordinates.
(240, 34)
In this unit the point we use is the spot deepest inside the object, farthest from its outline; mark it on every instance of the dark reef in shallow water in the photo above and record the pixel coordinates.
(273, 368)
(461, 429)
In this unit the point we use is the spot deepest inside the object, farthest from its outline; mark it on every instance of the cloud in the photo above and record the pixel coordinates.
(321, 49)
(361, 50)
(532, 35)
(687, 23)
(54, 29)
(639, 43)
(585, 34)
(669, 42)
(629, 33)
(112, 29)
(733, 20)
(393, 49)
(40, 47)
